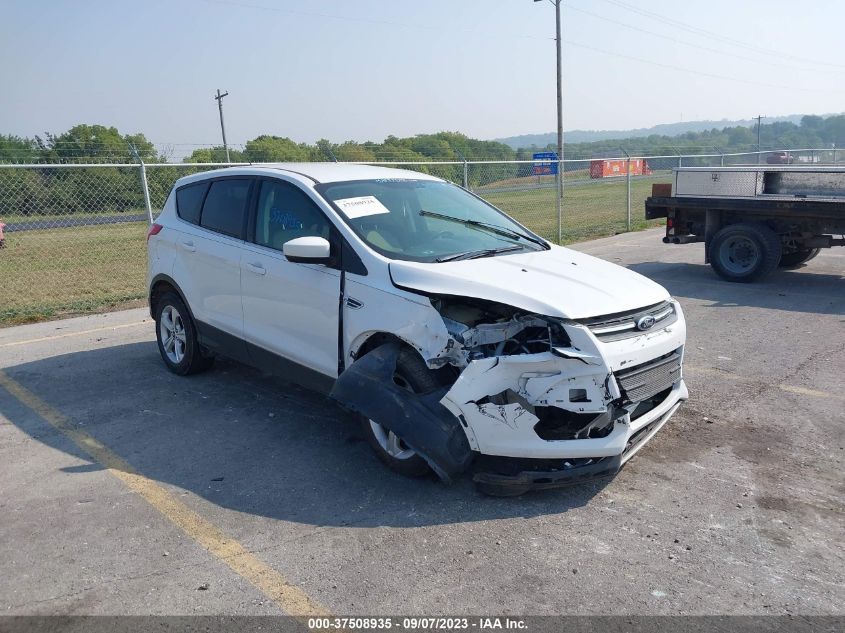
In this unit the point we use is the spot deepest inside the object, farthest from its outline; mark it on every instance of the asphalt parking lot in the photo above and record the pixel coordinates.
(127, 490)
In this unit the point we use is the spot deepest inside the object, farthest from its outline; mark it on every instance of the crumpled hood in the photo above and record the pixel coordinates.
(559, 282)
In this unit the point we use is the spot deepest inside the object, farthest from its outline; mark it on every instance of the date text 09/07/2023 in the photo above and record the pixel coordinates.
(417, 623)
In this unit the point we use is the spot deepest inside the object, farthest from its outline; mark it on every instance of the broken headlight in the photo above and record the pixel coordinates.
(485, 328)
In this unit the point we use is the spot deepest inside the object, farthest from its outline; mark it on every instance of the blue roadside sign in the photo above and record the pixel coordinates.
(547, 166)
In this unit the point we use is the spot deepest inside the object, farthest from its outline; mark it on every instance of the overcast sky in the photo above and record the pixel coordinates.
(363, 69)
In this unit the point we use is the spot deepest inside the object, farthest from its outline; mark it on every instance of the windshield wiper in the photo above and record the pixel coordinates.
(487, 252)
(493, 228)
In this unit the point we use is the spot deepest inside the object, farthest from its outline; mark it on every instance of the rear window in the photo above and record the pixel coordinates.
(225, 207)
(189, 201)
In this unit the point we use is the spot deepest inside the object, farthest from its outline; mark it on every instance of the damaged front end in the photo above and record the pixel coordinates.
(540, 398)
(523, 370)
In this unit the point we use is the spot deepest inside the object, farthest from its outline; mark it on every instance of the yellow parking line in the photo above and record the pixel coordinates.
(290, 598)
(811, 392)
(80, 333)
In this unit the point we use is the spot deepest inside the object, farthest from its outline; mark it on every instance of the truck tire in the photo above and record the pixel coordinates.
(411, 374)
(793, 260)
(745, 252)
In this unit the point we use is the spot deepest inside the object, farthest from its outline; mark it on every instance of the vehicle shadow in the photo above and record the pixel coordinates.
(247, 442)
(800, 290)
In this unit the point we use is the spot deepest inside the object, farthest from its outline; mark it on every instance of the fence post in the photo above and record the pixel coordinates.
(144, 188)
(559, 197)
(466, 175)
(146, 192)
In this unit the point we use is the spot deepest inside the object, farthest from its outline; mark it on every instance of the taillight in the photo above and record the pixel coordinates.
(155, 229)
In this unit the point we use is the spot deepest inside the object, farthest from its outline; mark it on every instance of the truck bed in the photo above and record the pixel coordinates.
(768, 205)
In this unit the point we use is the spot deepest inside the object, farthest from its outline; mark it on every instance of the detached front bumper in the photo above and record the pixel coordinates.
(500, 402)
(572, 471)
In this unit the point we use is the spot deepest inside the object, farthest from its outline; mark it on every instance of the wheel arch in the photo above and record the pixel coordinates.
(366, 342)
(161, 284)
(369, 341)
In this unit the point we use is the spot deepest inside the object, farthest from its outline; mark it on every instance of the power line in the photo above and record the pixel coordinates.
(693, 29)
(697, 72)
(732, 55)
(351, 18)
(713, 35)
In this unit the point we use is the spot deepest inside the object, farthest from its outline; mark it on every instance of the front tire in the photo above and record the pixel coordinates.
(745, 252)
(176, 335)
(411, 374)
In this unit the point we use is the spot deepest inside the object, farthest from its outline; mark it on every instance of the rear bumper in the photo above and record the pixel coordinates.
(637, 435)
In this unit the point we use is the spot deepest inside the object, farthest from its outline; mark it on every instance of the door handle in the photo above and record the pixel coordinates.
(189, 246)
(258, 269)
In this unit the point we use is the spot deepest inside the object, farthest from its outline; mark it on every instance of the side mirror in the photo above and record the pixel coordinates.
(307, 250)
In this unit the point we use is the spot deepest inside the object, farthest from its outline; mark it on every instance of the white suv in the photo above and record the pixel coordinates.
(462, 339)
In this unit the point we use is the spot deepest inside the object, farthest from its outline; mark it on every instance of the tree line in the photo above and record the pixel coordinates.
(813, 131)
(99, 143)
(49, 191)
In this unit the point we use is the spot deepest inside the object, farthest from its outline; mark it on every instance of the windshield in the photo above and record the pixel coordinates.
(426, 220)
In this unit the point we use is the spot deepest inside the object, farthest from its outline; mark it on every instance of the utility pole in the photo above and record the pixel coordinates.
(560, 185)
(219, 99)
(760, 118)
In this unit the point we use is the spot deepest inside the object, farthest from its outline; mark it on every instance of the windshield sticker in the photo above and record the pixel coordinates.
(360, 207)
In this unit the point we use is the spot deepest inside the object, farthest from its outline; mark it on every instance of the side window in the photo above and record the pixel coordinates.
(286, 212)
(225, 206)
(189, 201)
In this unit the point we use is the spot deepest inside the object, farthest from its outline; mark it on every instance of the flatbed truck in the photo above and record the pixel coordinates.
(753, 219)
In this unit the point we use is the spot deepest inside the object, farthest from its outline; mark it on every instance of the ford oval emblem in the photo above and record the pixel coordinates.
(644, 323)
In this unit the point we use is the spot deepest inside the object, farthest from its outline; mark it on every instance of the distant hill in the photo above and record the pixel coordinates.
(664, 129)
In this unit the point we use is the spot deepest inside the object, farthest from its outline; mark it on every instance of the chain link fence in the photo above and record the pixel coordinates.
(75, 234)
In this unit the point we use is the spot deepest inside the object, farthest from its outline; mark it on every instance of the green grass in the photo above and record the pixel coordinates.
(50, 273)
(592, 209)
(36, 218)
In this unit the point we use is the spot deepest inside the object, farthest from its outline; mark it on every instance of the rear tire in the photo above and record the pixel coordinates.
(745, 252)
(795, 259)
(177, 337)
(411, 374)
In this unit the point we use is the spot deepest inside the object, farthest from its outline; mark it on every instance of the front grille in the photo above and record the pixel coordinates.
(646, 380)
(614, 327)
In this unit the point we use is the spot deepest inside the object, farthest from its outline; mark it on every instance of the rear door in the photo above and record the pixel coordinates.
(208, 264)
(290, 310)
